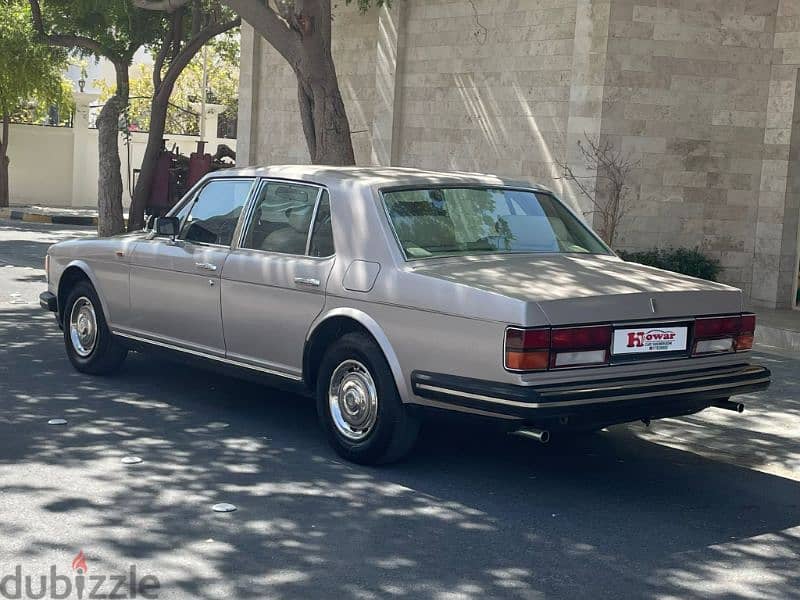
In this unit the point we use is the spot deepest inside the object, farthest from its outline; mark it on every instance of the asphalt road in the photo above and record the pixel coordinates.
(707, 506)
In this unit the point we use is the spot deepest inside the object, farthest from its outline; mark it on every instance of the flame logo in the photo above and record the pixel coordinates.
(79, 563)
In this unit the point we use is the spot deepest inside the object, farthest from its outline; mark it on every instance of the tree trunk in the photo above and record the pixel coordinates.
(322, 112)
(302, 35)
(110, 220)
(4, 161)
(144, 183)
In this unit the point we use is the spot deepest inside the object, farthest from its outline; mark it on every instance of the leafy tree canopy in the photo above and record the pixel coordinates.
(223, 87)
(116, 28)
(29, 70)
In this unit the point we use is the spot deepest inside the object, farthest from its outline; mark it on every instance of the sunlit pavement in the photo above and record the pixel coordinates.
(702, 506)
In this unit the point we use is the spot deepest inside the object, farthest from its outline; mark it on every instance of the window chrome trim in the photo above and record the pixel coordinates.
(313, 221)
(221, 359)
(251, 207)
(313, 226)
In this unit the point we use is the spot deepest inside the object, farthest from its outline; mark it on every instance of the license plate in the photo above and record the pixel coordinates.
(646, 340)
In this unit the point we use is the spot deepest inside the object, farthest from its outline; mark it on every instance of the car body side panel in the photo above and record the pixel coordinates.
(175, 294)
(269, 301)
(419, 338)
(106, 263)
(371, 325)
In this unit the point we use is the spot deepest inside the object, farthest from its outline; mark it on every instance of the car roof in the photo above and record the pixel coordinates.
(376, 177)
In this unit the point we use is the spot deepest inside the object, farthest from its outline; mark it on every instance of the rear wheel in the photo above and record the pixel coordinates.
(358, 404)
(90, 346)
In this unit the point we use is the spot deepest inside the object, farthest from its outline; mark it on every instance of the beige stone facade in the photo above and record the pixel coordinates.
(702, 94)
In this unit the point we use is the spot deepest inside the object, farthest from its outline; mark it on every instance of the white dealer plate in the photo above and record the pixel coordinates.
(643, 340)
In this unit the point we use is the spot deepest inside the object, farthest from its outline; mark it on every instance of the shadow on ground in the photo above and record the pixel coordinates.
(468, 515)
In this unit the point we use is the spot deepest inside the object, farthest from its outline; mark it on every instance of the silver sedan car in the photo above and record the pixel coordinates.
(386, 293)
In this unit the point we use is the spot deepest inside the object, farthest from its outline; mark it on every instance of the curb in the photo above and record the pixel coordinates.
(32, 217)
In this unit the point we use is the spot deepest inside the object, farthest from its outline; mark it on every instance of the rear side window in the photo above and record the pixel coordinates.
(214, 213)
(322, 234)
(282, 218)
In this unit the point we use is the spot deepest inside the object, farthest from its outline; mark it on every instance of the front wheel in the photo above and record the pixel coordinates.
(90, 346)
(358, 404)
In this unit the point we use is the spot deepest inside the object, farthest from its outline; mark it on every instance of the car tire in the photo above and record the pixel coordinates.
(358, 404)
(91, 348)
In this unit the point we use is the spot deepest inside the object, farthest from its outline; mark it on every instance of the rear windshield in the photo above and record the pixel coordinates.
(456, 221)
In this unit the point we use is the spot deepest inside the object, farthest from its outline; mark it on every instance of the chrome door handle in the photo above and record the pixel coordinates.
(206, 266)
(307, 281)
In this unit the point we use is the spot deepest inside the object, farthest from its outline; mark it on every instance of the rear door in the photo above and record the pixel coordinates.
(175, 291)
(273, 284)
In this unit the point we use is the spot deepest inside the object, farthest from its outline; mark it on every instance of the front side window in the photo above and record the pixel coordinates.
(214, 212)
(281, 218)
(459, 221)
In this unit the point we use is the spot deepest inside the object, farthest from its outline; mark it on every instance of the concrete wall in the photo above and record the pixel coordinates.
(58, 166)
(40, 170)
(701, 95)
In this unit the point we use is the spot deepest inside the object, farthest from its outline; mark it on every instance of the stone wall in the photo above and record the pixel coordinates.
(686, 93)
(701, 95)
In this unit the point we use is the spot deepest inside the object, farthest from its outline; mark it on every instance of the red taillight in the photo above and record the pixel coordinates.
(580, 346)
(717, 327)
(527, 349)
(539, 349)
(724, 334)
(581, 338)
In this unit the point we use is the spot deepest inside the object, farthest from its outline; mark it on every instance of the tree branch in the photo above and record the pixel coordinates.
(197, 17)
(271, 27)
(165, 5)
(158, 64)
(65, 40)
(193, 47)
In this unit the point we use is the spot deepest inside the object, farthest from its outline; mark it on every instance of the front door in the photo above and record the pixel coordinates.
(175, 285)
(273, 286)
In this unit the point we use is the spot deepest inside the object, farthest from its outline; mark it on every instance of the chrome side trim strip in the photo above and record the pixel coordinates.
(451, 392)
(227, 361)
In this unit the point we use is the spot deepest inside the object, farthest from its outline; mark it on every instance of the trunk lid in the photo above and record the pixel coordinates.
(579, 288)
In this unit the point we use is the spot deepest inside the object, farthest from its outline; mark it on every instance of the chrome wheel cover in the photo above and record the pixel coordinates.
(83, 327)
(353, 400)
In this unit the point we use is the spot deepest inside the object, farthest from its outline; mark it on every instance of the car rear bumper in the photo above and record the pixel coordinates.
(596, 403)
(48, 301)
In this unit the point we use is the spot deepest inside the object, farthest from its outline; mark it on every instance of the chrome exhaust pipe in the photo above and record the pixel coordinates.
(728, 405)
(540, 435)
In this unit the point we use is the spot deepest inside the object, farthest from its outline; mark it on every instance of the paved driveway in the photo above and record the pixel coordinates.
(704, 506)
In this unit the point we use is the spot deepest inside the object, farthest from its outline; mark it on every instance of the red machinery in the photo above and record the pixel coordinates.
(199, 164)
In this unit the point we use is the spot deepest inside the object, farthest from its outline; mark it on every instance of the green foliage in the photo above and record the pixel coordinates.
(30, 72)
(37, 110)
(223, 88)
(117, 26)
(681, 260)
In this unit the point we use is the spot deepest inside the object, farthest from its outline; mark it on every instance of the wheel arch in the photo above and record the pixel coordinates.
(337, 322)
(76, 271)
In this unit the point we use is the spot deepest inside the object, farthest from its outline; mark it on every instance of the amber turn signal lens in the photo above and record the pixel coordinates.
(536, 360)
(744, 342)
